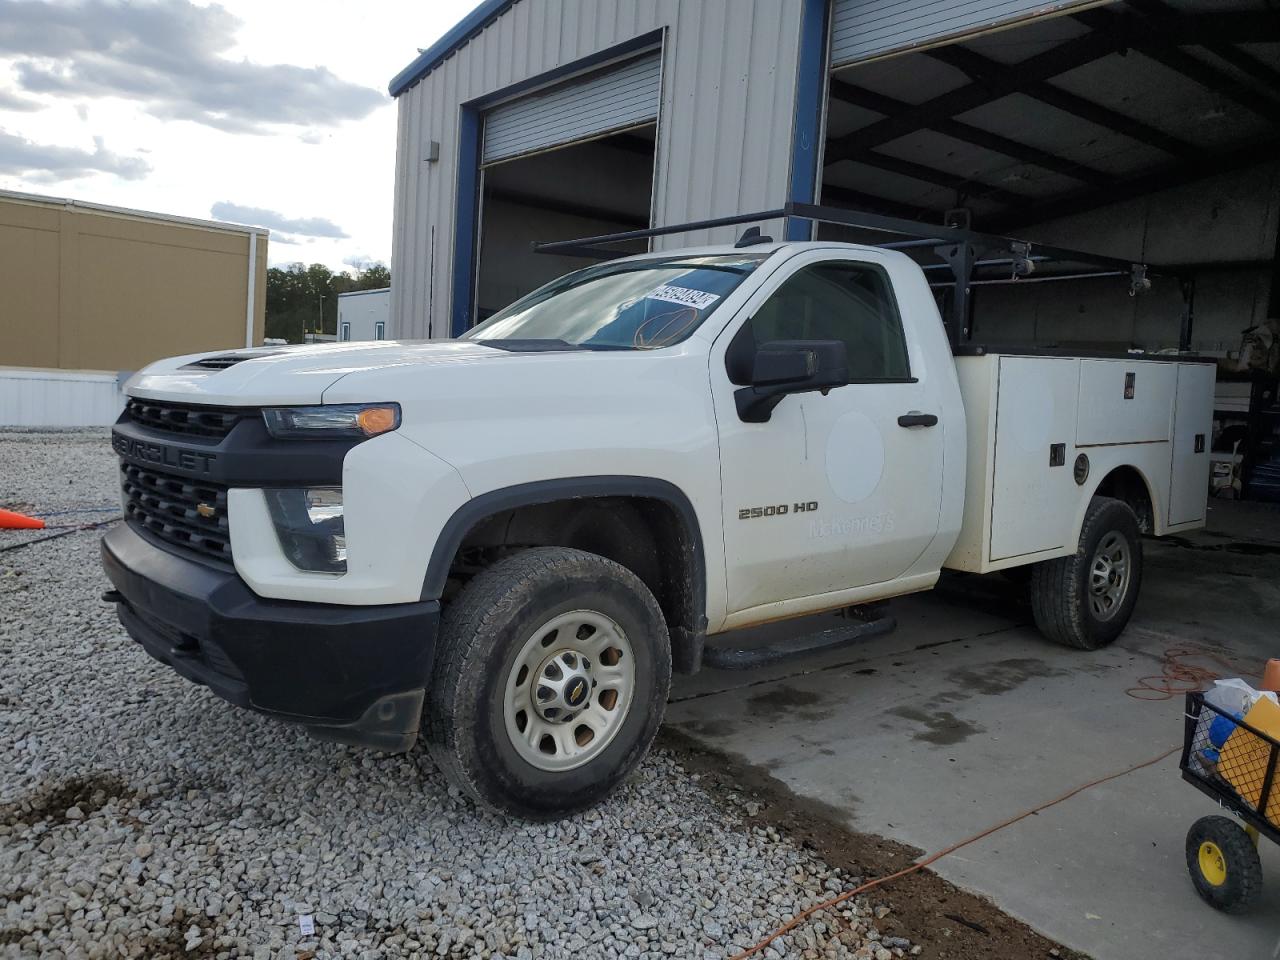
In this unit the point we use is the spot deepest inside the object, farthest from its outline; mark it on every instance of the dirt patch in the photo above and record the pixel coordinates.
(946, 922)
(89, 794)
(781, 699)
(1247, 548)
(942, 728)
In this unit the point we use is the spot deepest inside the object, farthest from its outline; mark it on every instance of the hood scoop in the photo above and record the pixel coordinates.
(223, 361)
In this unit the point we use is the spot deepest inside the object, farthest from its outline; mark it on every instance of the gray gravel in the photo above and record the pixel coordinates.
(140, 816)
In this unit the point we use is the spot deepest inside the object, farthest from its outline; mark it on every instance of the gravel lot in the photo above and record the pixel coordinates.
(141, 816)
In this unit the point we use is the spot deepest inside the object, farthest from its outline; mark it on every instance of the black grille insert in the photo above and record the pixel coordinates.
(187, 513)
(186, 420)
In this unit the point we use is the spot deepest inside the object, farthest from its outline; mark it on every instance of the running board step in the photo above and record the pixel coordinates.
(747, 658)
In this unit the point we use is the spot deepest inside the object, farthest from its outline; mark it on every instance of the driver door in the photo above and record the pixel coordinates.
(832, 492)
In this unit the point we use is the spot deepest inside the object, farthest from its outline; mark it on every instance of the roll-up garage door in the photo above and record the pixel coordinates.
(613, 99)
(861, 29)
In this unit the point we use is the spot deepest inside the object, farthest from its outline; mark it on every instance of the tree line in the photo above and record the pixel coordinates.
(304, 299)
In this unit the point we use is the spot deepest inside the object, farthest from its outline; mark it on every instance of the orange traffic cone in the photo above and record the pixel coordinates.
(1271, 676)
(16, 521)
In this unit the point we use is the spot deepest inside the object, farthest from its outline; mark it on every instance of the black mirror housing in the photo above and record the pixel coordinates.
(781, 367)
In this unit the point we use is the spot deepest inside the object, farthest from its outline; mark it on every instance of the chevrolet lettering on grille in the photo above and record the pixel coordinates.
(195, 461)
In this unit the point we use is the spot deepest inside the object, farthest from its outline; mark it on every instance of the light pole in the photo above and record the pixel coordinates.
(320, 318)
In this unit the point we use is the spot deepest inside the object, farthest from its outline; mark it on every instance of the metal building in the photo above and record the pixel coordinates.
(1144, 129)
(363, 314)
(92, 291)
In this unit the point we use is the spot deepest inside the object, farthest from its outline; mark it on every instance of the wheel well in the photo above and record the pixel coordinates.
(646, 535)
(1127, 484)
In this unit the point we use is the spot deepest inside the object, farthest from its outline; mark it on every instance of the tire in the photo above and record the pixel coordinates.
(525, 613)
(1062, 600)
(1224, 864)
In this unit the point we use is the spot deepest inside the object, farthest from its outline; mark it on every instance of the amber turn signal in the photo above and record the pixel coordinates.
(376, 420)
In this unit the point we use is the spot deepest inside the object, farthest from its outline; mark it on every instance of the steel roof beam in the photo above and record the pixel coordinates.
(889, 106)
(987, 71)
(1140, 184)
(1064, 57)
(964, 186)
(1138, 32)
(857, 200)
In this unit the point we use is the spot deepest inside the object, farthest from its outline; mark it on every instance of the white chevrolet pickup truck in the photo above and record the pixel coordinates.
(508, 541)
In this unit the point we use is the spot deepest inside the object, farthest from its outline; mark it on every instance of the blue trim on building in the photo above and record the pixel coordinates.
(811, 85)
(442, 49)
(466, 220)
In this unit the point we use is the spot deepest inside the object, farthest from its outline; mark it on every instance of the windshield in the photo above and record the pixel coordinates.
(636, 305)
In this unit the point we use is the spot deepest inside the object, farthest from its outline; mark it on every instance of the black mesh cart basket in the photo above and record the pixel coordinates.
(1237, 765)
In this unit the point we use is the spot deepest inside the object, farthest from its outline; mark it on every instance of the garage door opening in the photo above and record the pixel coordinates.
(602, 186)
(1147, 131)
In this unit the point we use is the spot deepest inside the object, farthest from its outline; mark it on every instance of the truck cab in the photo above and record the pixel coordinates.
(507, 542)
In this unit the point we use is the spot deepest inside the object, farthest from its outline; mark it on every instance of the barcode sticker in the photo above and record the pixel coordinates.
(698, 299)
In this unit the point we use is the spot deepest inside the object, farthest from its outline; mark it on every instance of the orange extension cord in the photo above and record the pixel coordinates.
(1177, 676)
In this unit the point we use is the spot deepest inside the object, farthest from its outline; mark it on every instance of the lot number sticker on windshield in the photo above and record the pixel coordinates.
(699, 299)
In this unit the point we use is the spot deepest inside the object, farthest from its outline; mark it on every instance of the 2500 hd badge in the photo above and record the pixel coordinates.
(193, 460)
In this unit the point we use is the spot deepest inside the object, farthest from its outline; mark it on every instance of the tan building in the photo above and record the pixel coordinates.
(91, 287)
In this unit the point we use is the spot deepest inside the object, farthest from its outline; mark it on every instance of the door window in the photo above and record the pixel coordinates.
(839, 300)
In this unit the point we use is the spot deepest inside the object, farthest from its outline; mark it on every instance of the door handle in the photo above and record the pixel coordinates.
(917, 419)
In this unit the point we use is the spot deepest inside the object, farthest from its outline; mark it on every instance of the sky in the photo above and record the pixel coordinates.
(272, 113)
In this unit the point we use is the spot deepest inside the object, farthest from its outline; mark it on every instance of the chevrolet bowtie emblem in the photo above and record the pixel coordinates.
(205, 510)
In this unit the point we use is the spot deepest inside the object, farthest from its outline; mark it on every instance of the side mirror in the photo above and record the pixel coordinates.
(781, 367)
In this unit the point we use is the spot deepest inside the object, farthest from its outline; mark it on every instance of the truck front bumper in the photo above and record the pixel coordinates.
(354, 674)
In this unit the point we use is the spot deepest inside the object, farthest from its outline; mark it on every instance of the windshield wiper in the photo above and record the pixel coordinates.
(528, 346)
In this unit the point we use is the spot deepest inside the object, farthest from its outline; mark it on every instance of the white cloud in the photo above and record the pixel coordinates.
(171, 59)
(258, 217)
(340, 171)
(48, 163)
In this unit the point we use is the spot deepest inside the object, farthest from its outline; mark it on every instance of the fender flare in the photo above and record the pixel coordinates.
(1152, 495)
(571, 488)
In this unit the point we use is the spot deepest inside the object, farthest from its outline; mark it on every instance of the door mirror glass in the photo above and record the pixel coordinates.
(781, 367)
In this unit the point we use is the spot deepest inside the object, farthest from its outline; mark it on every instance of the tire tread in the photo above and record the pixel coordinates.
(491, 598)
(1056, 585)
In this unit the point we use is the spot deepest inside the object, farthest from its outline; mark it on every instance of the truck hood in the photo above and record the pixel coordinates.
(292, 374)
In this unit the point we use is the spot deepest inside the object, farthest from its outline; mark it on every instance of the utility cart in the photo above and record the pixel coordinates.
(1236, 764)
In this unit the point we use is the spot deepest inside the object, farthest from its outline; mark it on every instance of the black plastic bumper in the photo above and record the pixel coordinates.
(353, 674)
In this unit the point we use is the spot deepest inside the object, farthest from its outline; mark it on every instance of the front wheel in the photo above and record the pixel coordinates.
(551, 680)
(1085, 600)
(1224, 864)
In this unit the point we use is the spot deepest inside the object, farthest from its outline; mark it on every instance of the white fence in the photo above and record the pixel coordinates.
(31, 397)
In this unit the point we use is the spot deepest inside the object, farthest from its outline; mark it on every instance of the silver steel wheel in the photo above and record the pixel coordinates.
(569, 690)
(1109, 575)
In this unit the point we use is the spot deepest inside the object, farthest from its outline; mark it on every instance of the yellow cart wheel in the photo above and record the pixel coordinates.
(1223, 861)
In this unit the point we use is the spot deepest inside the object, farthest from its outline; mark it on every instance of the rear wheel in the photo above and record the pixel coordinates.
(1224, 864)
(551, 681)
(1085, 600)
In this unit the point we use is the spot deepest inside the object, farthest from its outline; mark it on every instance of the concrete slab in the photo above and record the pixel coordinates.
(965, 716)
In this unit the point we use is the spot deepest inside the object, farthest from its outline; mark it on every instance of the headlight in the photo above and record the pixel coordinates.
(332, 420)
(309, 525)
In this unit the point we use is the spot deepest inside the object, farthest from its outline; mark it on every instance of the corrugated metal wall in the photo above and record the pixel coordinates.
(868, 28)
(724, 133)
(58, 398)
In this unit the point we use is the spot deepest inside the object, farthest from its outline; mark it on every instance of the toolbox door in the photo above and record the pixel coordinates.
(1192, 428)
(1033, 494)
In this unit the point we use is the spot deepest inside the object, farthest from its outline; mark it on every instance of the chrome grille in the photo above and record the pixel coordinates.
(187, 513)
(190, 421)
